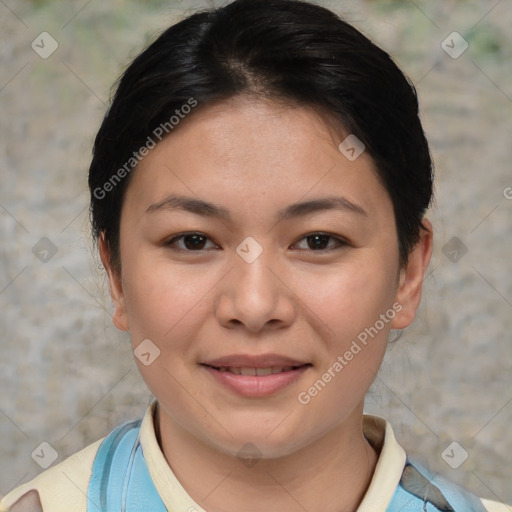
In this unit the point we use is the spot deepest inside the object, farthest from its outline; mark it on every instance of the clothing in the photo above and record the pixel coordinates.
(138, 476)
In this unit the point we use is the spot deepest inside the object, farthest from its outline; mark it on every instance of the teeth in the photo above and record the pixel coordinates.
(263, 371)
(255, 371)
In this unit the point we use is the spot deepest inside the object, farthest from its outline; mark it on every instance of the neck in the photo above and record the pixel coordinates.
(331, 474)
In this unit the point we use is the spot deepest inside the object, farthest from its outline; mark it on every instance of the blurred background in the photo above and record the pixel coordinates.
(67, 375)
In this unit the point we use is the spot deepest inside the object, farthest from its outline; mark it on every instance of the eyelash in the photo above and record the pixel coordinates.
(340, 242)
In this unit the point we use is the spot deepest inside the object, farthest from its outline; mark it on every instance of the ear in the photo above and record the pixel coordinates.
(115, 284)
(408, 294)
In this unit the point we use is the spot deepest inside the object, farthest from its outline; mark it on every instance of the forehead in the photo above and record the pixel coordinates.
(243, 151)
(261, 134)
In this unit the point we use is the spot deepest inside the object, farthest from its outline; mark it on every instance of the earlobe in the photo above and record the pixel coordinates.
(410, 284)
(119, 317)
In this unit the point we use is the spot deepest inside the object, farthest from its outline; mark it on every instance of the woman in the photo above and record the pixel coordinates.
(258, 193)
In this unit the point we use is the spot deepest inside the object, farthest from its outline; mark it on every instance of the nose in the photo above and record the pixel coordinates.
(256, 296)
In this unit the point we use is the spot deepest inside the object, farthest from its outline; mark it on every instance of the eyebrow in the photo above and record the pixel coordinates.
(207, 209)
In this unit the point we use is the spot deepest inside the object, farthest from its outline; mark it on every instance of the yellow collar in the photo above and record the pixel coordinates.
(378, 432)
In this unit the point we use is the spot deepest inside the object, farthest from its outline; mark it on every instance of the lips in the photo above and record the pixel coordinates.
(256, 376)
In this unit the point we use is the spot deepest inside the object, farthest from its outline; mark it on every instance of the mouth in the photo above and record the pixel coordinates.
(258, 372)
(256, 376)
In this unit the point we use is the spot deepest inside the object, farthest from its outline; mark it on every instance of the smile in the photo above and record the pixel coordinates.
(259, 372)
(256, 380)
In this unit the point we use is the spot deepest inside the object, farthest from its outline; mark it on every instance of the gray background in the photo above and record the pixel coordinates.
(68, 377)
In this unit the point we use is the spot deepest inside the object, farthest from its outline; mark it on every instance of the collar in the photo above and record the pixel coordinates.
(377, 431)
(389, 468)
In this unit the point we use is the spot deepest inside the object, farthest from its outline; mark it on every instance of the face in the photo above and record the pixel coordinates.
(262, 265)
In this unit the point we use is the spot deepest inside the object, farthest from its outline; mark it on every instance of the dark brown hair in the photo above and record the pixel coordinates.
(286, 50)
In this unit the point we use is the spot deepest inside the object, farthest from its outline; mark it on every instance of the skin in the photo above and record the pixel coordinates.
(254, 158)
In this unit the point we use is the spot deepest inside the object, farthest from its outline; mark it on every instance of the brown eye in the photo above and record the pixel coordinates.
(320, 242)
(191, 242)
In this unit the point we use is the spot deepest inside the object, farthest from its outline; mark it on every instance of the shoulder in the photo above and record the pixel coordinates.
(54, 489)
(401, 482)
(423, 487)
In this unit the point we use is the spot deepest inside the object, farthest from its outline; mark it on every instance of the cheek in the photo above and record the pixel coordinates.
(161, 300)
(355, 308)
(350, 307)
(350, 299)
(164, 304)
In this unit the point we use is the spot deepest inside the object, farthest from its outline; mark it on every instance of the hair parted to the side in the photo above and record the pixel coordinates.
(289, 51)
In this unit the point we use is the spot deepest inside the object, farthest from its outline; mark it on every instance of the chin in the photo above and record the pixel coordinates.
(269, 440)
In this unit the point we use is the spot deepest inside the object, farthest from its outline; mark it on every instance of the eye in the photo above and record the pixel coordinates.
(195, 242)
(192, 242)
(319, 242)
